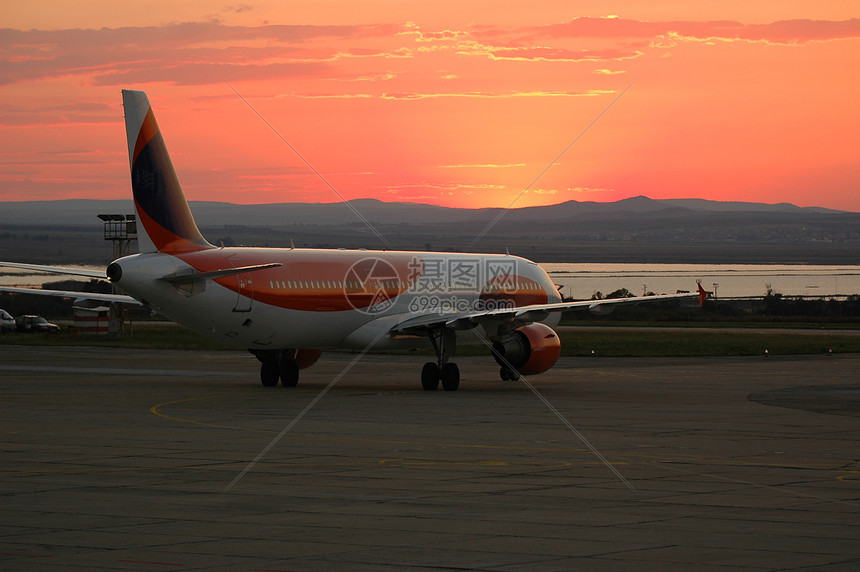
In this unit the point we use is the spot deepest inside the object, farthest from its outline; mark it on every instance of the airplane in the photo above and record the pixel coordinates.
(287, 305)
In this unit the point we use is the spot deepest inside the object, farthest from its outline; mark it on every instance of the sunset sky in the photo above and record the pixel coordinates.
(456, 103)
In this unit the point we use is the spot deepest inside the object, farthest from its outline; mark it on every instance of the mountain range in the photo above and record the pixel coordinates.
(637, 229)
(75, 212)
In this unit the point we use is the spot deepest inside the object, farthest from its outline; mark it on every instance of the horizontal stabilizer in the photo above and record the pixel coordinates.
(178, 279)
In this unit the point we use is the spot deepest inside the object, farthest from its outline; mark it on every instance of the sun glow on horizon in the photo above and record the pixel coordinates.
(428, 103)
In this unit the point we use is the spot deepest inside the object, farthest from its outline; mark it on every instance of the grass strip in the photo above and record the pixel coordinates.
(608, 342)
(659, 343)
(153, 337)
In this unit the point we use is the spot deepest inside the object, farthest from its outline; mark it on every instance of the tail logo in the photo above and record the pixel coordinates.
(159, 200)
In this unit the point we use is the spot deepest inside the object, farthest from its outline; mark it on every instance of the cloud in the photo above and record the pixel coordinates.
(199, 73)
(491, 95)
(487, 166)
(67, 114)
(560, 54)
(185, 53)
(781, 32)
(443, 36)
(441, 188)
(239, 8)
(588, 190)
(194, 53)
(333, 95)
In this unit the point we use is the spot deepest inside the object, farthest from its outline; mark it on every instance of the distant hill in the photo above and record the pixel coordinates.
(638, 229)
(82, 212)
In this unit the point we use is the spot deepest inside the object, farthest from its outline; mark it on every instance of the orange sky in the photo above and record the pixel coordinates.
(446, 102)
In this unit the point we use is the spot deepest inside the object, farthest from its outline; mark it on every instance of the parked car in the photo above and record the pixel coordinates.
(36, 324)
(7, 322)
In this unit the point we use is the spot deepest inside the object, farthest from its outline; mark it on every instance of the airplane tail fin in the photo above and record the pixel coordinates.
(703, 294)
(164, 219)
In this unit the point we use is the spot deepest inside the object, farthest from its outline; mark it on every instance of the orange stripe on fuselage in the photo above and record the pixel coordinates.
(325, 281)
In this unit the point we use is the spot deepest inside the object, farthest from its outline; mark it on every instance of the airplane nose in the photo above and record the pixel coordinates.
(114, 272)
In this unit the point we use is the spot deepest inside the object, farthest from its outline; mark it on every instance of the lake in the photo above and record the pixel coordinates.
(732, 280)
(583, 280)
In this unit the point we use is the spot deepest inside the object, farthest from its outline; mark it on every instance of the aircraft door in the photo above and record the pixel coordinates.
(245, 283)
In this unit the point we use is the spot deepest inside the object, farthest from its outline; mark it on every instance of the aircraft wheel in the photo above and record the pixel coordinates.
(508, 375)
(450, 377)
(269, 373)
(430, 375)
(288, 369)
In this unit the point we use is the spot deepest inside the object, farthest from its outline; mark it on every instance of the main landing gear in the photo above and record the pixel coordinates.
(508, 374)
(277, 365)
(444, 344)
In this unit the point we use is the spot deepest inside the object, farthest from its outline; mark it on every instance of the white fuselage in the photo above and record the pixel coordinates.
(328, 299)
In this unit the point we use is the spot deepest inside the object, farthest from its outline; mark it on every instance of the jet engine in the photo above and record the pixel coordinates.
(529, 349)
(305, 358)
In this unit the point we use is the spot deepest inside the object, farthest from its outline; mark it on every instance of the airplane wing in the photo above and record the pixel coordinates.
(57, 269)
(190, 277)
(119, 298)
(177, 279)
(522, 315)
(100, 274)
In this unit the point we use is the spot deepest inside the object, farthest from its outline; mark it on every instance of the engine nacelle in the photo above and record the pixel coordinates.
(304, 357)
(601, 309)
(530, 349)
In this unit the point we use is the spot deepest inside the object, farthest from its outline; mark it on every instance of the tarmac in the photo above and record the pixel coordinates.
(165, 460)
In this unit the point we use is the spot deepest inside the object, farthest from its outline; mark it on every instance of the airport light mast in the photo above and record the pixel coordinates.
(121, 230)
